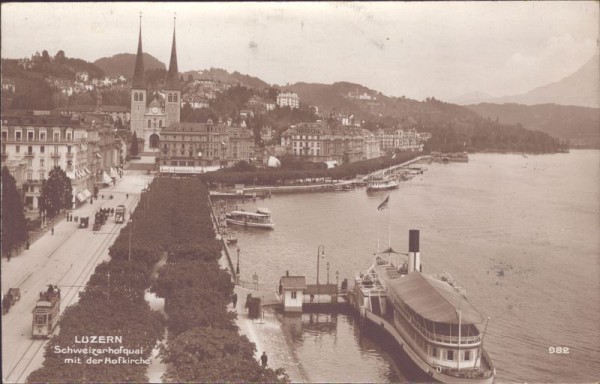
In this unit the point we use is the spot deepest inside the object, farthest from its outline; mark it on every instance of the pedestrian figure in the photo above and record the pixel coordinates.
(264, 359)
(27, 244)
(52, 231)
(248, 301)
(234, 299)
(127, 196)
(102, 197)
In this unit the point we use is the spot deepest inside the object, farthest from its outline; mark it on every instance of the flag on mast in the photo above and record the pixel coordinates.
(383, 204)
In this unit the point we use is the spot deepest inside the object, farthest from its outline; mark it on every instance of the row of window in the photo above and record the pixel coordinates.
(138, 96)
(172, 97)
(41, 137)
(30, 149)
(160, 123)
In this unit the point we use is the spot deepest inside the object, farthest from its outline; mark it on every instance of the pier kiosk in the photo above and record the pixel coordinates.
(291, 289)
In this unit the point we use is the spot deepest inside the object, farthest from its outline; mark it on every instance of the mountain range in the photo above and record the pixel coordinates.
(581, 88)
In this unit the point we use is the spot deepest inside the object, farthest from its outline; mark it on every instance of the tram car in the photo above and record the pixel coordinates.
(46, 313)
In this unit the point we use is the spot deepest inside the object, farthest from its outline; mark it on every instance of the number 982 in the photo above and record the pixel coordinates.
(558, 350)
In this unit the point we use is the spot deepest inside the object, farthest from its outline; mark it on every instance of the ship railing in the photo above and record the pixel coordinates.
(430, 336)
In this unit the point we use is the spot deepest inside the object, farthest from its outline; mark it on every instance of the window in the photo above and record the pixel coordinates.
(149, 124)
(175, 97)
(18, 135)
(17, 148)
(30, 163)
(29, 176)
(68, 149)
(41, 162)
(56, 149)
(42, 149)
(69, 136)
(141, 96)
(170, 98)
(467, 355)
(40, 319)
(42, 136)
(135, 96)
(56, 136)
(450, 355)
(434, 351)
(42, 175)
(30, 150)
(4, 135)
(56, 162)
(30, 135)
(160, 124)
(293, 294)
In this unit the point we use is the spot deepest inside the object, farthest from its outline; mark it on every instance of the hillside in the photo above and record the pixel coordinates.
(579, 125)
(222, 76)
(124, 63)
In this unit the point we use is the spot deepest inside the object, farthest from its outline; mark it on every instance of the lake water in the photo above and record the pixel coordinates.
(519, 233)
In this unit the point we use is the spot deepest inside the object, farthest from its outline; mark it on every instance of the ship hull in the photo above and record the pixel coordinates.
(368, 318)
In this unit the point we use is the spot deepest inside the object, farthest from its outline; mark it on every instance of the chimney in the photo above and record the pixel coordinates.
(414, 257)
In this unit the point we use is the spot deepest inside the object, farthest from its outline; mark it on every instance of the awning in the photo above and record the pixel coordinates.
(71, 175)
(105, 178)
(113, 172)
(98, 155)
(80, 197)
(433, 299)
(87, 171)
(86, 193)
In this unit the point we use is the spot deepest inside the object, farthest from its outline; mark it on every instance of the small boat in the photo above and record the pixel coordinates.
(428, 316)
(382, 183)
(259, 219)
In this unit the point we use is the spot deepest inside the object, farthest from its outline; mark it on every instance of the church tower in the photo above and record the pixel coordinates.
(138, 92)
(173, 88)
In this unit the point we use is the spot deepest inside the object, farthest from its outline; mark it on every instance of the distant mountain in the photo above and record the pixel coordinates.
(472, 98)
(222, 76)
(579, 125)
(582, 88)
(124, 63)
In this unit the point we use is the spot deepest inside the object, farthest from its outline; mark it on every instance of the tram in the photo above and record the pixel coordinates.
(46, 313)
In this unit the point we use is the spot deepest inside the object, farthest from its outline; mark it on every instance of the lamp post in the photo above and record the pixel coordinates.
(130, 231)
(237, 268)
(320, 253)
(328, 273)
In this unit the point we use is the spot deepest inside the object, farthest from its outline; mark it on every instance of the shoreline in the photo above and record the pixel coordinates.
(311, 188)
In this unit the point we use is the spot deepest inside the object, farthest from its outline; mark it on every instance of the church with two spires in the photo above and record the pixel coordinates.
(151, 112)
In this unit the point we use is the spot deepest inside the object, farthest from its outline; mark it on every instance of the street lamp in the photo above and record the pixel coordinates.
(320, 254)
(237, 268)
(130, 231)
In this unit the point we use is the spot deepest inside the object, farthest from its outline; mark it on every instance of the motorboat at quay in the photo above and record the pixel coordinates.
(428, 316)
(259, 219)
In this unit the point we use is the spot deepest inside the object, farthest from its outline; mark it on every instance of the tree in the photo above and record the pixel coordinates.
(14, 226)
(57, 192)
(134, 150)
(60, 57)
(45, 56)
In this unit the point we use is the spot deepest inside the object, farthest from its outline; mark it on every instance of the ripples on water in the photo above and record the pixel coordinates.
(521, 234)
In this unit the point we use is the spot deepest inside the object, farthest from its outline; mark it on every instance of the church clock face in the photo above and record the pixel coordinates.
(155, 110)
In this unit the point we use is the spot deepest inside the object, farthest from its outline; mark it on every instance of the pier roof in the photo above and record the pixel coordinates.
(433, 299)
(293, 282)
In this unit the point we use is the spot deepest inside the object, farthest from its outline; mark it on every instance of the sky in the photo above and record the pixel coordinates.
(417, 50)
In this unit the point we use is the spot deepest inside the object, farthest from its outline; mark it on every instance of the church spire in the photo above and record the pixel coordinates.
(173, 74)
(138, 73)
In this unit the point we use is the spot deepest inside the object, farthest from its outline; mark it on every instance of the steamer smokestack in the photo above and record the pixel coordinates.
(414, 256)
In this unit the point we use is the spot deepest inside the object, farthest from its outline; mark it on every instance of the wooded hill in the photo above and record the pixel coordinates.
(579, 125)
(124, 63)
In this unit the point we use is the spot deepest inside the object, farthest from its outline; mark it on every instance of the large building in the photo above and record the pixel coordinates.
(41, 143)
(288, 99)
(196, 146)
(152, 112)
(320, 142)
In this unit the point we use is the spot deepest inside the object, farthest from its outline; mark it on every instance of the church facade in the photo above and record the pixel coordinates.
(151, 112)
